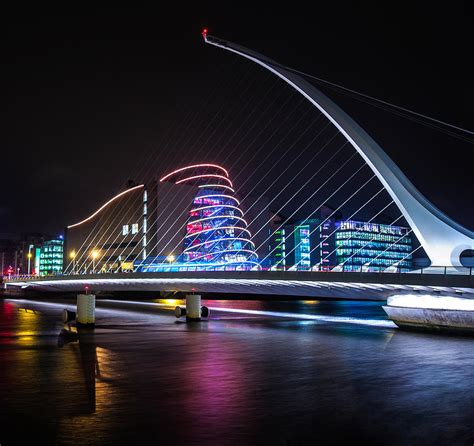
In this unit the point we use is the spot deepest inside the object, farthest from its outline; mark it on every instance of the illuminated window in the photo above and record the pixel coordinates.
(302, 246)
(135, 228)
(125, 229)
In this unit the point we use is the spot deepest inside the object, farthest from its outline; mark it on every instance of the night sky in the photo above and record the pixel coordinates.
(93, 98)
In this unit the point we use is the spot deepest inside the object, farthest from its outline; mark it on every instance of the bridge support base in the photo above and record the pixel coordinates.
(193, 307)
(193, 310)
(85, 310)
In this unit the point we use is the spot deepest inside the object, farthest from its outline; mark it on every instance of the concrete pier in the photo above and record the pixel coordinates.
(85, 309)
(193, 307)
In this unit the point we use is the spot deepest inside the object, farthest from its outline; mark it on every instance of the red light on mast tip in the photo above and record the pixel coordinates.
(204, 32)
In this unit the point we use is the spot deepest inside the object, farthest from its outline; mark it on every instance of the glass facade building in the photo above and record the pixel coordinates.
(302, 247)
(349, 245)
(49, 257)
(295, 245)
(372, 247)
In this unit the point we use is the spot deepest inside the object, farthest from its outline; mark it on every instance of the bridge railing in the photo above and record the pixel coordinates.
(20, 277)
(349, 269)
(443, 270)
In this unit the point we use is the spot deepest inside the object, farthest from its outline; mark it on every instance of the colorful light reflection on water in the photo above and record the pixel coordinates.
(238, 378)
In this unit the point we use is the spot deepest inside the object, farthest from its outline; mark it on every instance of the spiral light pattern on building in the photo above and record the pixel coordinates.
(216, 232)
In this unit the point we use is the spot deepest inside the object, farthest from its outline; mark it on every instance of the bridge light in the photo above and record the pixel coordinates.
(170, 258)
(95, 254)
(72, 254)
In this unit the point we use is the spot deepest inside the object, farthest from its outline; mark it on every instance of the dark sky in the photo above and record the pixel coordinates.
(93, 98)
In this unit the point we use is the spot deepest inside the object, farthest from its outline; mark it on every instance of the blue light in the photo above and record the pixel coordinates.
(216, 234)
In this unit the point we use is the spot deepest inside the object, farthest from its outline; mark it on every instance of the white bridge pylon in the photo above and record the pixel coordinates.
(441, 237)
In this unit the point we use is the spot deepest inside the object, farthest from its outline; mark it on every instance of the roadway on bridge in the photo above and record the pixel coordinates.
(341, 285)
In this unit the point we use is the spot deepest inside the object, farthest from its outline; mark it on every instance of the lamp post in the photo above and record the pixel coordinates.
(29, 255)
(95, 254)
(72, 256)
(170, 259)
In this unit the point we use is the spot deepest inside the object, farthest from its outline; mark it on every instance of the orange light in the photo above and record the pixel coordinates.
(205, 176)
(105, 205)
(193, 167)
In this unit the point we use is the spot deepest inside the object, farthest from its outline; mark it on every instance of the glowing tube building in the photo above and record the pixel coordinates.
(216, 234)
(188, 220)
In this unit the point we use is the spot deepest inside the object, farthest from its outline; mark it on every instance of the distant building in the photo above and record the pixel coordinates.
(49, 257)
(8, 257)
(192, 219)
(32, 253)
(113, 235)
(326, 243)
(301, 244)
(189, 219)
(372, 247)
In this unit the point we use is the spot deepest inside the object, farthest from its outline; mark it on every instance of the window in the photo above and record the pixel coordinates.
(125, 230)
(135, 228)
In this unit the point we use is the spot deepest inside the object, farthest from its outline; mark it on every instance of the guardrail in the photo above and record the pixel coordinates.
(441, 270)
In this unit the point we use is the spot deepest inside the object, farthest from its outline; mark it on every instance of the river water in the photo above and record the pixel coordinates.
(256, 372)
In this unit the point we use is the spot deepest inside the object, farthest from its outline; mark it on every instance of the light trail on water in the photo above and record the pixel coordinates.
(379, 323)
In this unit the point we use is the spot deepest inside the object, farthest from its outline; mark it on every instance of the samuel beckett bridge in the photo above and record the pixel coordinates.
(328, 213)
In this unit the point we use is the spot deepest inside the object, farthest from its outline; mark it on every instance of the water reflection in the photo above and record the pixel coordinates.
(86, 358)
(91, 384)
(142, 376)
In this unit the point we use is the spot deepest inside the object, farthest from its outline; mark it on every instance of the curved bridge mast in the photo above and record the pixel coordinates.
(442, 238)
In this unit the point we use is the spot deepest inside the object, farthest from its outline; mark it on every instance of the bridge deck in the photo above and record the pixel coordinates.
(285, 283)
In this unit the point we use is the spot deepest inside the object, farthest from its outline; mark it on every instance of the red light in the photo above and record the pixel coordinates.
(204, 32)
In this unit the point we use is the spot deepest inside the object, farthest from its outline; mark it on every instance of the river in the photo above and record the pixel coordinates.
(255, 372)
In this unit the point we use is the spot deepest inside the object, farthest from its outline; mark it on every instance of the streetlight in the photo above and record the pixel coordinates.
(29, 255)
(95, 254)
(171, 258)
(72, 256)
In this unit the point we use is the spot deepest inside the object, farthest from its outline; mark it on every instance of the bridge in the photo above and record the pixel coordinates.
(340, 285)
(443, 239)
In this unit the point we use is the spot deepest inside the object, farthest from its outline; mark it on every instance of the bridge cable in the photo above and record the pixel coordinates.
(189, 123)
(360, 229)
(302, 101)
(322, 203)
(228, 155)
(196, 155)
(366, 96)
(330, 215)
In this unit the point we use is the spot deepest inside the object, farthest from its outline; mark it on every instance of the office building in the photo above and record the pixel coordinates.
(327, 244)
